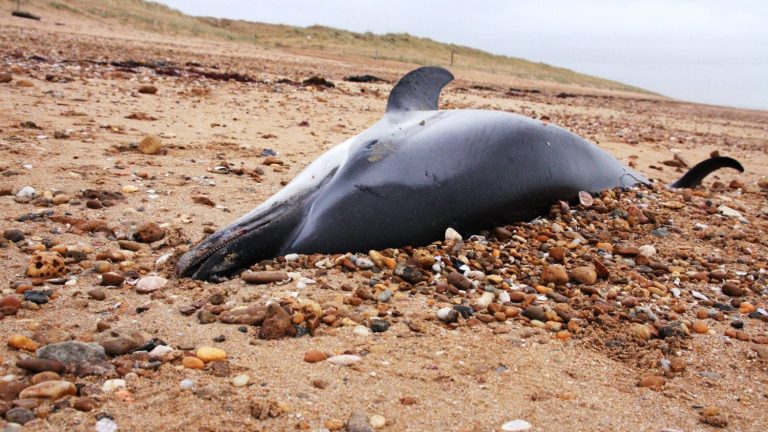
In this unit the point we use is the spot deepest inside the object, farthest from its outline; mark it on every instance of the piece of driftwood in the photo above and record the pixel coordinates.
(24, 14)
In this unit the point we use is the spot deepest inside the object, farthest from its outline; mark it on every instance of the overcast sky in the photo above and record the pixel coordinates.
(699, 50)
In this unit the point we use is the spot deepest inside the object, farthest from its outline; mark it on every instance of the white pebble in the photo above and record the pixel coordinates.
(361, 331)
(159, 351)
(452, 234)
(444, 314)
(504, 297)
(187, 384)
(377, 421)
(106, 424)
(112, 385)
(344, 360)
(515, 425)
(485, 299)
(241, 380)
(647, 250)
(27, 192)
(292, 257)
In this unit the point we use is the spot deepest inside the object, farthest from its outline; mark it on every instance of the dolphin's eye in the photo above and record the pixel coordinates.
(369, 145)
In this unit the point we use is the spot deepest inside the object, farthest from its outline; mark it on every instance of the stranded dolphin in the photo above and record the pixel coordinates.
(414, 173)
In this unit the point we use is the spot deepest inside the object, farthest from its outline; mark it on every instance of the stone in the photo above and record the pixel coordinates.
(677, 364)
(263, 277)
(192, 363)
(149, 233)
(626, 250)
(379, 325)
(40, 365)
(147, 89)
(206, 317)
(97, 294)
(85, 404)
(219, 368)
(37, 296)
(72, 352)
(149, 284)
(378, 421)
(314, 356)
(452, 235)
(9, 390)
(150, 145)
(334, 424)
(248, 315)
(159, 352)
(423, 258)
(277, 324)
(21, 342)
(554, 274)
(112, 279)
(700, 327)
(409, 273)
(43, 377)
(344, 360)
(53, 390)
(241, 380)
(121, 340)
(653, 382)
(94, 368)
(362, 331)
(46, 265)
(732, 289)
(359, 422)
(535, 313)
(641, 331)
(585, 275)
(13, 234)
(516, 425)
(5, 77)
(113, 384)
(209, 354)
(557, 253)
(448, 315)
(21, 416)
(459, 281)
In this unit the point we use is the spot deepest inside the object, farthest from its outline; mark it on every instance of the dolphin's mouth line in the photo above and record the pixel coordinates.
(209, 252)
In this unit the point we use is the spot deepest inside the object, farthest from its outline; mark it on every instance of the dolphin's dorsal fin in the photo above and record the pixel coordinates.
(419, 89)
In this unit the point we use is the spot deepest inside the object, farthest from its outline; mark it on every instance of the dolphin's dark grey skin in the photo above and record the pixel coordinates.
(413, 174)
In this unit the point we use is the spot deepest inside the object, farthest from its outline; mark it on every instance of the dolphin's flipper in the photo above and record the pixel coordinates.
(418, 90)
(695, 175)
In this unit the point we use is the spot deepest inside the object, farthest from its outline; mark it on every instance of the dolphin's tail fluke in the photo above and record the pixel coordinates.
(695, 175)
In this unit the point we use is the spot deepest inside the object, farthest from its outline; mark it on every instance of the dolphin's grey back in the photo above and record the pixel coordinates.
(467, 169)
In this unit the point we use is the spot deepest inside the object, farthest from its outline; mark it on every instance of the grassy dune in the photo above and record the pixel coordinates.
(403, 47)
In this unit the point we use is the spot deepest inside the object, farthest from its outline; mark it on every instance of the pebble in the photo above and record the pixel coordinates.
(113, 384)
(653, 382)
(732, 289)
(248, 315)
(344, 359)
(18, 415)
(37, 296)
(277, 324)
(209, 354)
(641, 331)
(292, 257)
(27, 192)
(72, 352)
(515, 425)
(112, 279)
(149, 233)
(241, 380)
(150, 145)
(700, 327)
(149, 284)
(97, 294)
(361, 331)
(554, 274)
(21, 342)
(379, 325)
(13, 234)
(40, 365)
(535, 313)
(447, 315)
(647, 250)
(187, 384)
(585, 275)
(192, 363)
(452, 235)
(314, 356)
(359, 422)
(147, 89)
(53, 390)
(46, 265)
(378, 421)
(121, 340)
(44, 376)
(459, 281)
(85, 404)
(263, 277)
(385, 296)
(486, 299)
(159, 352)
(5, 77)
(94, 367)
(334, 424)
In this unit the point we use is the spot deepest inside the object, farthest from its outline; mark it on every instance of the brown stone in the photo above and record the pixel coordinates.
(263, 277)
(585, 275)
(46, 265)
(732, 289)
(277, 324)
(554, 274)
(149, 233)
(314, 356)
(653, 382)
(147, 89)
(557, 253)
(459, 281)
